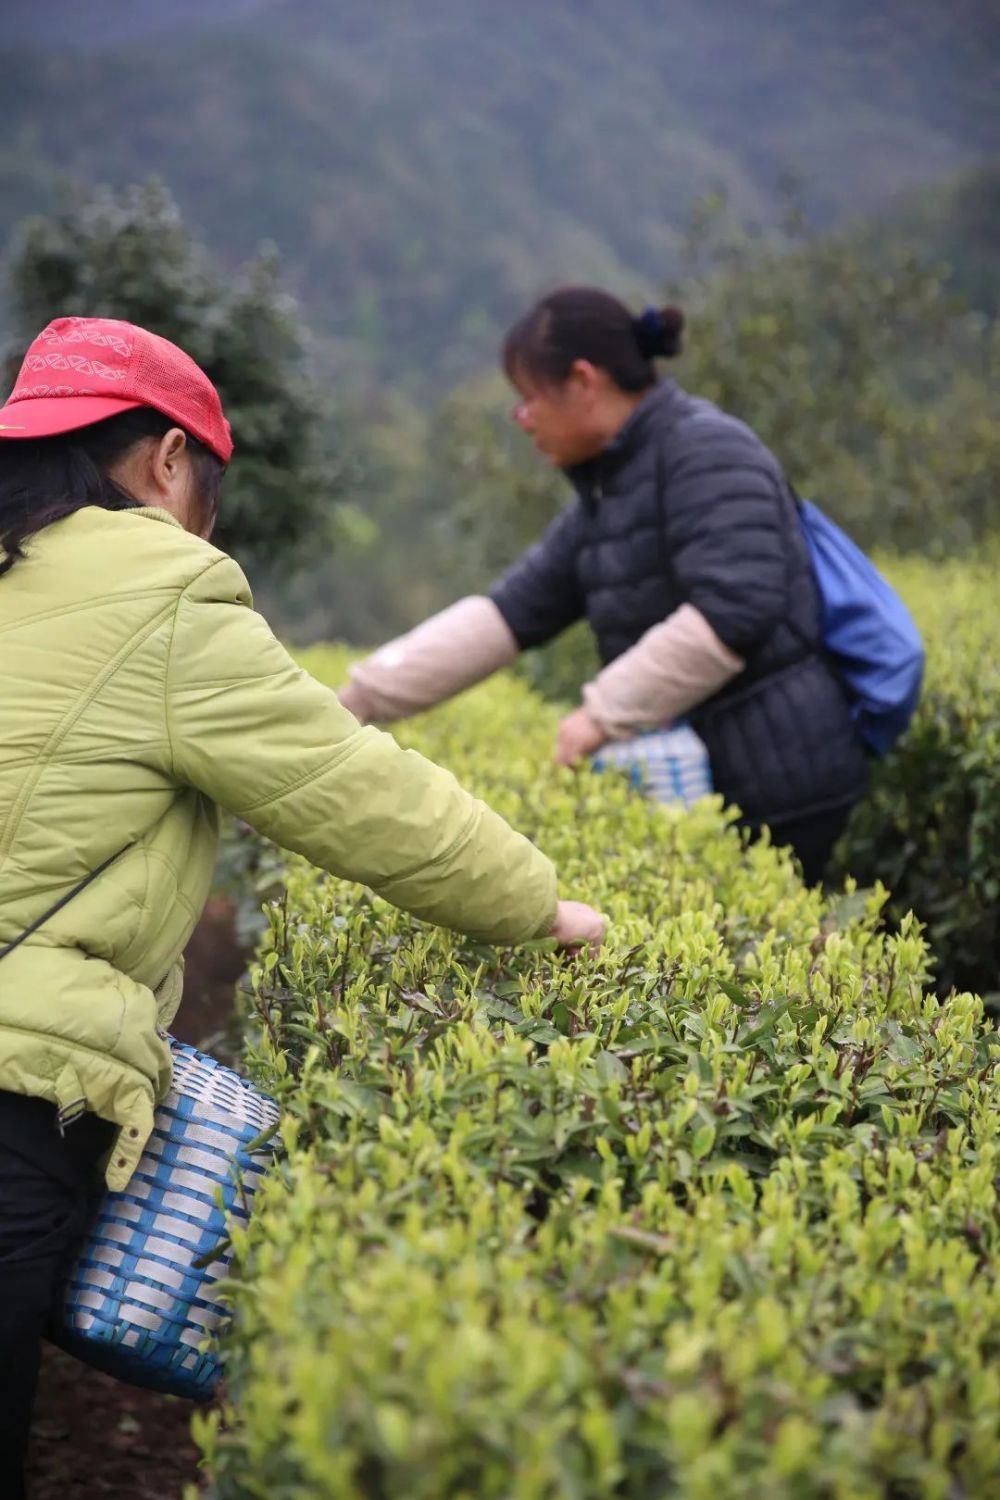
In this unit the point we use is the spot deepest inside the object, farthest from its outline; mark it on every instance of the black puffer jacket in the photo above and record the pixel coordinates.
(688, 505)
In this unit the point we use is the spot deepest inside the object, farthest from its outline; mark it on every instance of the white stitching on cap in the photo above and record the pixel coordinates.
(73, 362)
(88, 336)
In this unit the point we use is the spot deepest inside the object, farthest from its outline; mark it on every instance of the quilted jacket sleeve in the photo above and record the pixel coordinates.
(266, 741)
(539, 596)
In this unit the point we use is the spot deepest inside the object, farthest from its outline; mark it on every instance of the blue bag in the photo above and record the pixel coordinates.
(868, 632)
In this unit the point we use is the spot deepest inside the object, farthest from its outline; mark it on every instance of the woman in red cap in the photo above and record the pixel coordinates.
(140, 692)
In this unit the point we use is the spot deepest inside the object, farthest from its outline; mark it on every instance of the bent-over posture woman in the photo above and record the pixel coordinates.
(682, 548)
(140, 693)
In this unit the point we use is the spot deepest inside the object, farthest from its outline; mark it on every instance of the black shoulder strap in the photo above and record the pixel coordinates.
(46, 916)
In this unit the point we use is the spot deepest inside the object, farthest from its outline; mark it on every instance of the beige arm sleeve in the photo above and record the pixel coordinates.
(676, 664)
(439, 658)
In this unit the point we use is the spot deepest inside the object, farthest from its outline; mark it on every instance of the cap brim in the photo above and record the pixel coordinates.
(48, 416)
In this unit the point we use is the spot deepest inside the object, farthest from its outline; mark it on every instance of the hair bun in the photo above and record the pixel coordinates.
(658, 332)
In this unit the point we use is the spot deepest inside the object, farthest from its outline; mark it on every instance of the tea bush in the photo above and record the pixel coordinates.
(710, 1215)
(930, 829)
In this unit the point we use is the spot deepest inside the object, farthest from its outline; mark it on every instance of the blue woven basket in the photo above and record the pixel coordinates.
(666, 765)
(136, 1303)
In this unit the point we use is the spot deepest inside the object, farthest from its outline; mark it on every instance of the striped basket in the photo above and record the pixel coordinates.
(666, 765)
(138, 1303)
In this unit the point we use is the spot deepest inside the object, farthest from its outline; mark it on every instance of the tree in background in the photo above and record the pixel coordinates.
(128, 255)
(855, 361)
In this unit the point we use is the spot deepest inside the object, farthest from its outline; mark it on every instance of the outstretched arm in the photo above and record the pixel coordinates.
(250, 729)
(676, 665)
(443, 656)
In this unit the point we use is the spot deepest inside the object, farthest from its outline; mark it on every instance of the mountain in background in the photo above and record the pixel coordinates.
(426, 167)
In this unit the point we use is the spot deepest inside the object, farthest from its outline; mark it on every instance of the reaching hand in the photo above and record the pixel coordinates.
(578, 926)
(579, 735)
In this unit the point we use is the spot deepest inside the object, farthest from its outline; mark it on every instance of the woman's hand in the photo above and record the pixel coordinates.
(578, 926)
(579, 736)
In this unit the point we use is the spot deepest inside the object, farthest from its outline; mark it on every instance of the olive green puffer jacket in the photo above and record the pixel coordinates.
(139, 693)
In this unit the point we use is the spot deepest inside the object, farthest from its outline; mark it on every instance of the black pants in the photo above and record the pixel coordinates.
(811, 839)
(47, 1190)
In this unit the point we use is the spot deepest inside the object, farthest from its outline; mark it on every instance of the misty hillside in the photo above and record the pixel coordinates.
(425, 168)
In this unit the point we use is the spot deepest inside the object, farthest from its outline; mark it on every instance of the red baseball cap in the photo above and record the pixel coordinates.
(81, 370)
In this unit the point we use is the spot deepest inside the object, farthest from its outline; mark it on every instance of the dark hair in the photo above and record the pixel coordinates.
(43, 480)
(580, 322)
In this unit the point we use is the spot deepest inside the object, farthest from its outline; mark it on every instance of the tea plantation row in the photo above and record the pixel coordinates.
(712, 1215)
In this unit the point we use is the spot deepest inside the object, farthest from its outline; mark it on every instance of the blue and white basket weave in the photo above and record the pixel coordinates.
(137, 1303)
(666, 765)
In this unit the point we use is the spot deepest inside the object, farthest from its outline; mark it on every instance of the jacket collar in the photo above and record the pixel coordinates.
(154, 513)
(659, 408)
(151, 512)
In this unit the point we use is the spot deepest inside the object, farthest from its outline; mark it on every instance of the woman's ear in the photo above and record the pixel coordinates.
(153, 471)
(584, 378)
(169, 464)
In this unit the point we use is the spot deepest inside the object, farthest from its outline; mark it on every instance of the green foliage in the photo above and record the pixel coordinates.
(565, 141)
(369, 592)
(954, 225)
(712, 1215)
(930, 827)
(559, 670)
(498, 494)
(873, 385)
(130, 256)
(249, 872)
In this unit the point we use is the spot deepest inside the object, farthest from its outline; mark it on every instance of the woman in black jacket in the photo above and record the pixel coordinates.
(682, 548)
